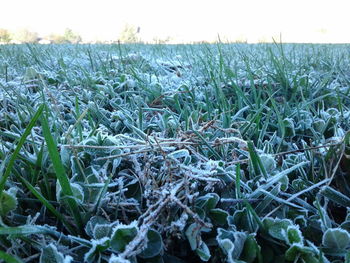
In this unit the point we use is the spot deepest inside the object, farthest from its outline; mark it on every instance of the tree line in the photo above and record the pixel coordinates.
(129, 34)
(27, 36)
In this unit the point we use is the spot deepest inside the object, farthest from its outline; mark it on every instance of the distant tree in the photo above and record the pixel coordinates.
(71, 37)
(26, 36)
(56, 39)
(129, 34)
(68, 37)
(5, 36)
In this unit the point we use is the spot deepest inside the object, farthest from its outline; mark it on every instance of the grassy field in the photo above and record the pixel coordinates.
(186, 153)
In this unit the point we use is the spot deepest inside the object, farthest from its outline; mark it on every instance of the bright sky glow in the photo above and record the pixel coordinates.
(185, 20)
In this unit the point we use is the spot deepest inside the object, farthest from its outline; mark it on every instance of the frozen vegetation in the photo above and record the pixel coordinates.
(187, 153)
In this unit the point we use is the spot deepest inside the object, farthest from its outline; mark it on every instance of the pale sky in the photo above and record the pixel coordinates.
(185, 20)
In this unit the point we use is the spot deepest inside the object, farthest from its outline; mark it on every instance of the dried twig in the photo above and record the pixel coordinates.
(291, 152)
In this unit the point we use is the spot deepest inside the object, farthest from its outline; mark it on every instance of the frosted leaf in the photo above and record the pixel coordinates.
(179, 154)
(336, 238)
(117, 259)
(269, 162)
(50, 254)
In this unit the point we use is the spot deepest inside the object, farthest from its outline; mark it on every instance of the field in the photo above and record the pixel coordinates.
(183, 153)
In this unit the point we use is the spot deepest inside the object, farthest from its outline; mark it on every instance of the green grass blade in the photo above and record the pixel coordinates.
(274, 179)
(8, 258)
(211, 149)
(335, 196)
(102, 193)
(254, 215)
(25, 230)
(61, 174)
(38, 165)
(13, 158)
(45, 202)
(253, 157)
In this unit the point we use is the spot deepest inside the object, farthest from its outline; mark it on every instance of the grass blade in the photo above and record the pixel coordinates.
(13, 158)
(8, 258)
(25, 230)
(335, 196)
(45, 202)
(61, 174)
(256, 161)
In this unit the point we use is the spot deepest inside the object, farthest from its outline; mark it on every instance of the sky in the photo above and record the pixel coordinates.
(185, 20)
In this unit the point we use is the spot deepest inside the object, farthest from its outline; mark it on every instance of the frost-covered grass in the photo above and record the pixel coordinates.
(218, 153)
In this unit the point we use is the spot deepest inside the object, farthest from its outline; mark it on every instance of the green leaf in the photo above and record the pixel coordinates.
(8, 202)
(218, 216)
(208, 202)
(98, 246)
(297, 250)
(203, 252)
(102, 231)
(77, 190)
(200, 212)
(123, 235)
(308, 258)
(268, 162)
(240, 220)
(289, 127)
(277, 227)
(231, 243)
(192, 235)
(65, 156)
(50, 254)
(117, 259)
(336, 238)
(92, 223)
(154, 245)
(251, 249)
(294, 235)
(284, 181)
